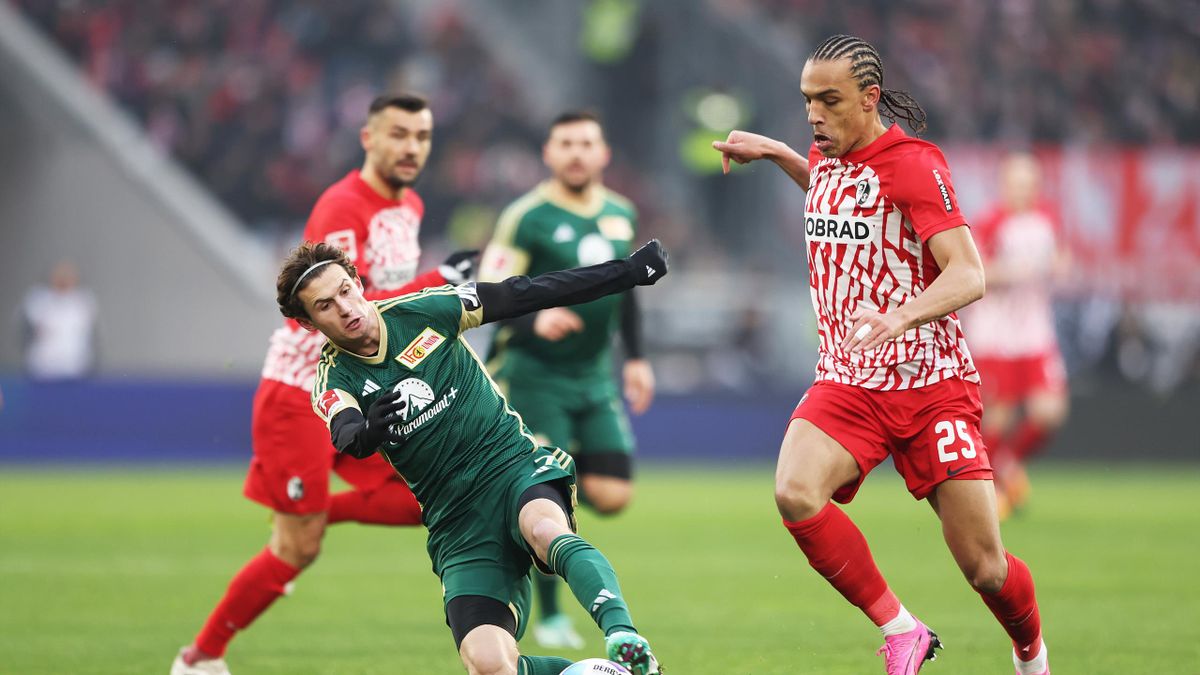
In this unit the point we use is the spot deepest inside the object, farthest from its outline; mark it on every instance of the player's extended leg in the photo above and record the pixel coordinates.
(812, 467)
(607, 495)
(967, 509)
(294, 545)
(378, 496)
(543, 522)
(484, 629)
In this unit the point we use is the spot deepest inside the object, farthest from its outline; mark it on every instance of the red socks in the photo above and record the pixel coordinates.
(389, 504)
(1028, 439)
(838, 551)
(1015, 606)
(250, 593)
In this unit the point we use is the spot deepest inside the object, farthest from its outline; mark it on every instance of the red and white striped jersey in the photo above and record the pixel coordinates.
(1016, 319)
(868, 216)
(380, 237)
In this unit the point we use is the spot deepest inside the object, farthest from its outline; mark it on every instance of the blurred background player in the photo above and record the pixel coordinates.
(890, 260)
(556, 364)
(374, 215)
(1013, 340)
(59, 322)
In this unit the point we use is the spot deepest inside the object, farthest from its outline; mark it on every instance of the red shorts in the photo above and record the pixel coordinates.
(293, 455)
(932, 433)
(1011, 380)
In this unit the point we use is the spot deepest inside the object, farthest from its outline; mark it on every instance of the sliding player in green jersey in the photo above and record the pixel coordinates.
(555, 366)
(397, 378)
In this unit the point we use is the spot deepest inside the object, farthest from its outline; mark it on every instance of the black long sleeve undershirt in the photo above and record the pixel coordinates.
(521, 295)
(344, 428)
(516, 296)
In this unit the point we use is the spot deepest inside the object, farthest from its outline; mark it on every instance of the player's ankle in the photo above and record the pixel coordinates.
(193, 654)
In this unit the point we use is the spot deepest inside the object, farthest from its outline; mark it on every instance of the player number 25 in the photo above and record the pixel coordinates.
(946, 432)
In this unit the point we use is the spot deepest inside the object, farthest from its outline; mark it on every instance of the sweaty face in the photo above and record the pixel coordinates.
(576, 154)
(840, 114)
(336, 307)
(397, 143)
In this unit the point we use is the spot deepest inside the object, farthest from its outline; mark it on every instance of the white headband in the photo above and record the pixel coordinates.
(297, 284)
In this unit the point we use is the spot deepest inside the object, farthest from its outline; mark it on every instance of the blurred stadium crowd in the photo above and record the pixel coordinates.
(262, 101)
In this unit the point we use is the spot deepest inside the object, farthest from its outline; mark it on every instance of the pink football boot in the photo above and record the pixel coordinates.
(904, 654)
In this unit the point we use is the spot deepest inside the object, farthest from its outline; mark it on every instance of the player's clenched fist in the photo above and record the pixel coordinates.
(650, 263)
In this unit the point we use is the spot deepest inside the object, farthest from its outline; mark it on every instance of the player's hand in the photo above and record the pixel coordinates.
(869, 329)
(743, 147)
(459, 267)
(383, 416)
(639, 385)
(556, 323)
(650, 263)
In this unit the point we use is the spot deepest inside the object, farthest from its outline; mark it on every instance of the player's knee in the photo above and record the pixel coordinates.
(798, 500)
(1049, 413)
(610, 502)
(545, 531)
(489, 660)
(987, 573)
(299, 552)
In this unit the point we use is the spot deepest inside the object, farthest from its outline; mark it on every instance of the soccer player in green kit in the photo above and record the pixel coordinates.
(397, 378)
(555, 366)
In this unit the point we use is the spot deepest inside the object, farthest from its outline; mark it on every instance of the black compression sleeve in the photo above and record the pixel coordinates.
(344, 428)
(520, 295)
(631, 326)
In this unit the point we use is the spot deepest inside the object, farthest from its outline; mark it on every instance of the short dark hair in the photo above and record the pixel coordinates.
(405, 101)
(572, 116)
(300, 269)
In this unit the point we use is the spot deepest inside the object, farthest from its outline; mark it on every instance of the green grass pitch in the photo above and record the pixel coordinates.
(110, 571)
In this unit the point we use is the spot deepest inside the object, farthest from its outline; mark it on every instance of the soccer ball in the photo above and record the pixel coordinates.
(595, 667)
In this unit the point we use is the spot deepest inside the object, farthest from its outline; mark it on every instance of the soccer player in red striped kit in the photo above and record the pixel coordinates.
(375, 216)
(890, 260)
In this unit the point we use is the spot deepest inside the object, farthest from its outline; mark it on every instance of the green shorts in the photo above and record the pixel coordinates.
(482, 552)
(582, 417)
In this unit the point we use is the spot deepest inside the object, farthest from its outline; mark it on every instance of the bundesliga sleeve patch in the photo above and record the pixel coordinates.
(334, 401)
(419, 349)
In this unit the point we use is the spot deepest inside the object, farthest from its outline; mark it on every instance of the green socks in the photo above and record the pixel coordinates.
(546, 588)
(542, 665)
(592, 580)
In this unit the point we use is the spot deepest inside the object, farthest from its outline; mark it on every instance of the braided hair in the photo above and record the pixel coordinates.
(867, 68)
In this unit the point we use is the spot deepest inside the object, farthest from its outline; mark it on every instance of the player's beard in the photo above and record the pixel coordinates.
(577, 187)
(398, 183)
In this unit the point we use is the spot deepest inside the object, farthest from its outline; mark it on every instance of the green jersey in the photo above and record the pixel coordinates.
(460, 433)
(538, 234)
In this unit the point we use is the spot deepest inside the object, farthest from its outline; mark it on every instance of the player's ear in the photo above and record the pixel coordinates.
(364, 136)
(870, 100)
(306, 325)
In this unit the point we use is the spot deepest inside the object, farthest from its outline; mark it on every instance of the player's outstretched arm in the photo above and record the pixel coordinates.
(360, 436)
(520, 295)
(744, 147)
